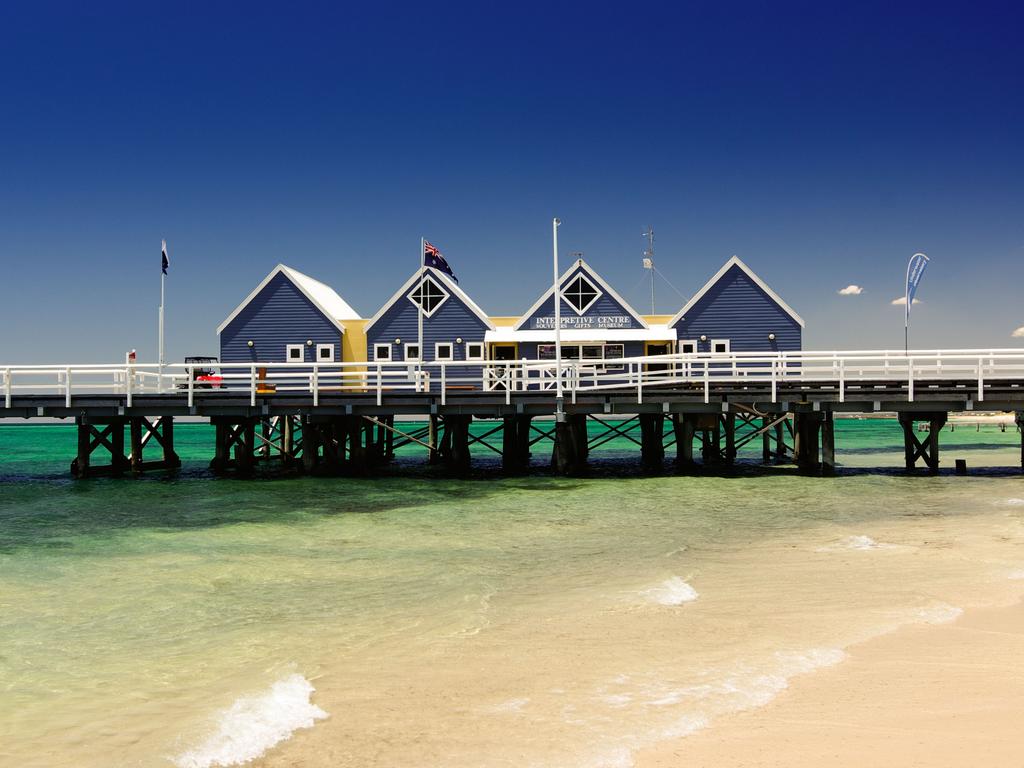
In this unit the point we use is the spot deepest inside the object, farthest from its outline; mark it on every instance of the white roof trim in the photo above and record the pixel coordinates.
(322, 296)
(737, 262)
(597, 279)
(597, 335)
(446, 282)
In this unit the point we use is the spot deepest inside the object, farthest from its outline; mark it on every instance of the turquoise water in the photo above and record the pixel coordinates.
(415, 620)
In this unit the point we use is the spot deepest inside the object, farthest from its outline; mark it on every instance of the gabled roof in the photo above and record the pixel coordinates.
(735, 261)
(322, 296)
(592, 275)
(446, 282)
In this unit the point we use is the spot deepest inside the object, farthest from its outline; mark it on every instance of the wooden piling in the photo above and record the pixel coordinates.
(685, 425)
(1020, 428)
(652, 443)
(828, 444)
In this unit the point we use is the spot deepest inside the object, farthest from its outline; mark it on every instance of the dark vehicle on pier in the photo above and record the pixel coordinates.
(205, 373)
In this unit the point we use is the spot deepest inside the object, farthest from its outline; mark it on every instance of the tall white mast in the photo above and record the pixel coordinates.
(649, 261)
(559, 414)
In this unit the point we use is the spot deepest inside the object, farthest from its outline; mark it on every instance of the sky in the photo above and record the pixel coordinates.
(823, 143)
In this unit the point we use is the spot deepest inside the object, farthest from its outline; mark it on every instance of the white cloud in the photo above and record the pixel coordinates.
(902, 301)
(850, 290)
(1019, 333)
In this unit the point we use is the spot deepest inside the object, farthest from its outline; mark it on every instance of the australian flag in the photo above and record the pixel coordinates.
(433, 258)
(164, 261)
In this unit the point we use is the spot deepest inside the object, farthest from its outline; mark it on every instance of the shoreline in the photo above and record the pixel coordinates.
(936, 695)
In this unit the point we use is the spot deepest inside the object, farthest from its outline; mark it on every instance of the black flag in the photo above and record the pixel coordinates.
(164, 261)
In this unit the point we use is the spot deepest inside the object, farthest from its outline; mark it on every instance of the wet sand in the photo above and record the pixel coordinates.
(936, 696)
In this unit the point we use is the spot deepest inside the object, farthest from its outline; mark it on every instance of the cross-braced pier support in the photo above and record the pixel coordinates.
(142, 431)
(926, 448)
(106, 435)
(346, 445)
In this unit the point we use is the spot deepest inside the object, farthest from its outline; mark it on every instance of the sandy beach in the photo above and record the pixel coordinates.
(926, 695)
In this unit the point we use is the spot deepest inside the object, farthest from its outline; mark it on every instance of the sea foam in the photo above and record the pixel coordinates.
(863, 543)
(672, 591)
(254, 724)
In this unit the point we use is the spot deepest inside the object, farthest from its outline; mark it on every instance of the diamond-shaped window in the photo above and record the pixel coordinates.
(433, 296)
(580, 293)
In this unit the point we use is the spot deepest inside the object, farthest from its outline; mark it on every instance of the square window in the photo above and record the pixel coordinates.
(474, 350)
(720, 346)
(294, 353)
(381, 351)
(545, 351)
(325, 353)
(688, 347)
(412, 353)
(443, 351)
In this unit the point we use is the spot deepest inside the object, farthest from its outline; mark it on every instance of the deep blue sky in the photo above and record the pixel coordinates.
(823, 143)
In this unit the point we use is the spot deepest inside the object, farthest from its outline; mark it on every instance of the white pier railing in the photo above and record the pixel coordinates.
(842, 371)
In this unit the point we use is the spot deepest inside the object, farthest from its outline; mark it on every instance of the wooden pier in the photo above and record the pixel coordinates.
(340, 418)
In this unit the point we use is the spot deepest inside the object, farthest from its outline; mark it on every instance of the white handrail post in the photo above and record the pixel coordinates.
(775, 364)
(508, 384)
(316, 384)
(380, 384)
(7, 388)
(910, 380)
(252, 386)
(639, 383)
(842, 380)
(444, 385)
(981, 379)
(67, 387)
(191, 386)
(707, 383)
(575, 374)
(128, 375)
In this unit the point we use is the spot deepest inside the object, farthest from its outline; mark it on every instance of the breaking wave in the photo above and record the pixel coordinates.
(254, 724)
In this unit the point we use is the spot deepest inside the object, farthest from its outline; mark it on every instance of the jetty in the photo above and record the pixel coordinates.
(344, 417)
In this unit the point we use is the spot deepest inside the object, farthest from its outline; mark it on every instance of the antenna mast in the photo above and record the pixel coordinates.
(649, 261)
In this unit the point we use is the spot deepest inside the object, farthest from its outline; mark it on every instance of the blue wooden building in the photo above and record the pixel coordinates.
(599, 327)
(289, 317)
(453, 325)
(736, 311)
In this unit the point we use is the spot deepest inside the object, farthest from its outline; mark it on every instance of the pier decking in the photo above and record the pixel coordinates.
(340, 416)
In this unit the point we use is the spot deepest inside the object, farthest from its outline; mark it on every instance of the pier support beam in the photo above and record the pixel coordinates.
(569, 454)
(141, 431)
(809, 432)
(234, 444)
(515, 444)
(1020, 428)
(685, 426)
(652, 441)
(454, 447)
(828, 444)
(93, 434)
(927, 448)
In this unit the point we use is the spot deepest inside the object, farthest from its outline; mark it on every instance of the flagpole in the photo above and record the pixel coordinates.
(906, 311)
(559, 412)
(422, 292)
(160, 338)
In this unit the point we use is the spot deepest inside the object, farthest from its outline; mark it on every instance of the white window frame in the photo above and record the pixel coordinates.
(444, 298)
(330, 357)
(726, 351)
(598, 293)
(411, 358)
(693, 343)
(376, 353)
(289, 348)
(483, 351)
(437, 351)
